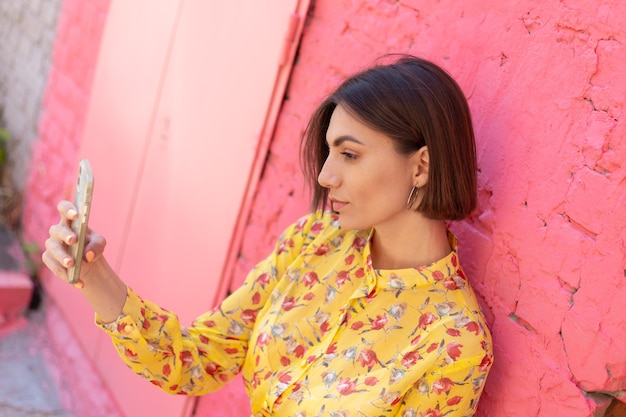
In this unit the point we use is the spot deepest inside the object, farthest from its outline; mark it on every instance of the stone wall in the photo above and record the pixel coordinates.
(27, 35)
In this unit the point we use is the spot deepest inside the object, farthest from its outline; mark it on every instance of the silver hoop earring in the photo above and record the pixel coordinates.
(412, 197)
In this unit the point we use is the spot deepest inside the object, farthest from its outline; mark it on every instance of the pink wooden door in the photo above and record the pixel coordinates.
(183, 103)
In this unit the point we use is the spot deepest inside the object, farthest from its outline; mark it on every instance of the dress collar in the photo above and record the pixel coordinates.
(446, 268)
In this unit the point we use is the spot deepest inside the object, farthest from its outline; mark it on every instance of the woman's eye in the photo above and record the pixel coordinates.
(348, 155)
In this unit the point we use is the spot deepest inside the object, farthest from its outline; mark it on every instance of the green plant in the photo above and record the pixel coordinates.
(5, 136)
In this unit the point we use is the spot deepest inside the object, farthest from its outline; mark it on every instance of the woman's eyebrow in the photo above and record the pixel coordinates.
(345, 138)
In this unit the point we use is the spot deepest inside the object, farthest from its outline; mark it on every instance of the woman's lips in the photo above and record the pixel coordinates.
(337, 205)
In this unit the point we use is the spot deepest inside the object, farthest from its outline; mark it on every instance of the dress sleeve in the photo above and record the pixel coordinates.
(203, 357)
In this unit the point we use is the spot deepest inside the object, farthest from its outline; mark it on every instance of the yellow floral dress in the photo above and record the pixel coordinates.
(317, 331)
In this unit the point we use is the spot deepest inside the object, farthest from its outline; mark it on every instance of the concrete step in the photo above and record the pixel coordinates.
(16, 285)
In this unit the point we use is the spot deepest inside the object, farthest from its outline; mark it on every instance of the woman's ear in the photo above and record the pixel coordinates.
(420, 162)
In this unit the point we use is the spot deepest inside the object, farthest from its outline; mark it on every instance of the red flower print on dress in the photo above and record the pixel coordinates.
(310, 279)
(454, 400)
(167, 370)
(357, 325)
(124, 328)
(299, 351)
(485, 363)
(284, 377)
(360, 273)
(454, 350)
(322, 249)
(472, 326)
(432, 413)
(248, 316)
(300, 224)
(186, 358)
(345, 386)
(256, 298)
(288, 303)
(380, 322)
(263, 279)
(438, 275)
(442, 385)
(371, 381)
(450, 284)
(317, 227)
(453, 332)
(284, 245)
(426, 319)
(409, 359)
(349, 259)
(285, 361)
(341, 278)
(324, 328)
(367, 358)
(212, 368)
(130, 354)
(454, 282)
(359, 242)
(263, 339)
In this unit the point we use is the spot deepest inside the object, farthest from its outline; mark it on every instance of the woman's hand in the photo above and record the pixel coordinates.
(100, 285)
(57, 255)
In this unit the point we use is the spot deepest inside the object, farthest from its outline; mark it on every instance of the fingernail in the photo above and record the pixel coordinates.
(89, 256)
(66, 262)
(79, 284)
(72, 212)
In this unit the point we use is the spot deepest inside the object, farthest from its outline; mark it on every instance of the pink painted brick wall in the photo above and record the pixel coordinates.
(546, 248)
(52, 176)
(64, 108)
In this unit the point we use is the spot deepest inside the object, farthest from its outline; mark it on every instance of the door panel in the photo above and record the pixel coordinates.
(179, 107)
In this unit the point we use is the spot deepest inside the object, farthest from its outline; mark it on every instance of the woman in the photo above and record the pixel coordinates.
(360, 310)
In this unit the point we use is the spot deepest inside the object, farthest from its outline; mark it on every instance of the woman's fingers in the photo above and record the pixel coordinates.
(67, 209)
(58, 264)
(57, 255)
(62, 233)
(94, 246)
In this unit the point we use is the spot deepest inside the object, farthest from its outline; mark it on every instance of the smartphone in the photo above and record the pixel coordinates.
(82, 201)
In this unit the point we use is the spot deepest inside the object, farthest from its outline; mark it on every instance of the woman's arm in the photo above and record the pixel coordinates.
(99, 284)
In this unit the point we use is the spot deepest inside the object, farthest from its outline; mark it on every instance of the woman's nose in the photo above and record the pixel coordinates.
(327, 178)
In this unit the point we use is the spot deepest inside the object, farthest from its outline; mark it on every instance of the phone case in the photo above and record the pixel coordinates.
(82, 200)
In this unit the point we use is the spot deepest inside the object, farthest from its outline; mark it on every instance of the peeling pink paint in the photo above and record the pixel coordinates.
(546, 249)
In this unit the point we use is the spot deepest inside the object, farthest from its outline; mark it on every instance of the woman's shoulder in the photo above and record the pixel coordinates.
(310, 231)
(315, 224)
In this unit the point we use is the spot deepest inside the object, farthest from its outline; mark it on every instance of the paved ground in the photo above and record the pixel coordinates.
(29, 381)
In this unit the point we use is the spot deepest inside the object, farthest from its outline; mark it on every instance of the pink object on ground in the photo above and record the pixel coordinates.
(16, 289)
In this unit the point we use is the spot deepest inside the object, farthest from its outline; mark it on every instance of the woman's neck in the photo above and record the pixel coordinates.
(420, 241)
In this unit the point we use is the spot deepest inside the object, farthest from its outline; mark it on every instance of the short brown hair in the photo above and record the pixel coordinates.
(416, 104)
